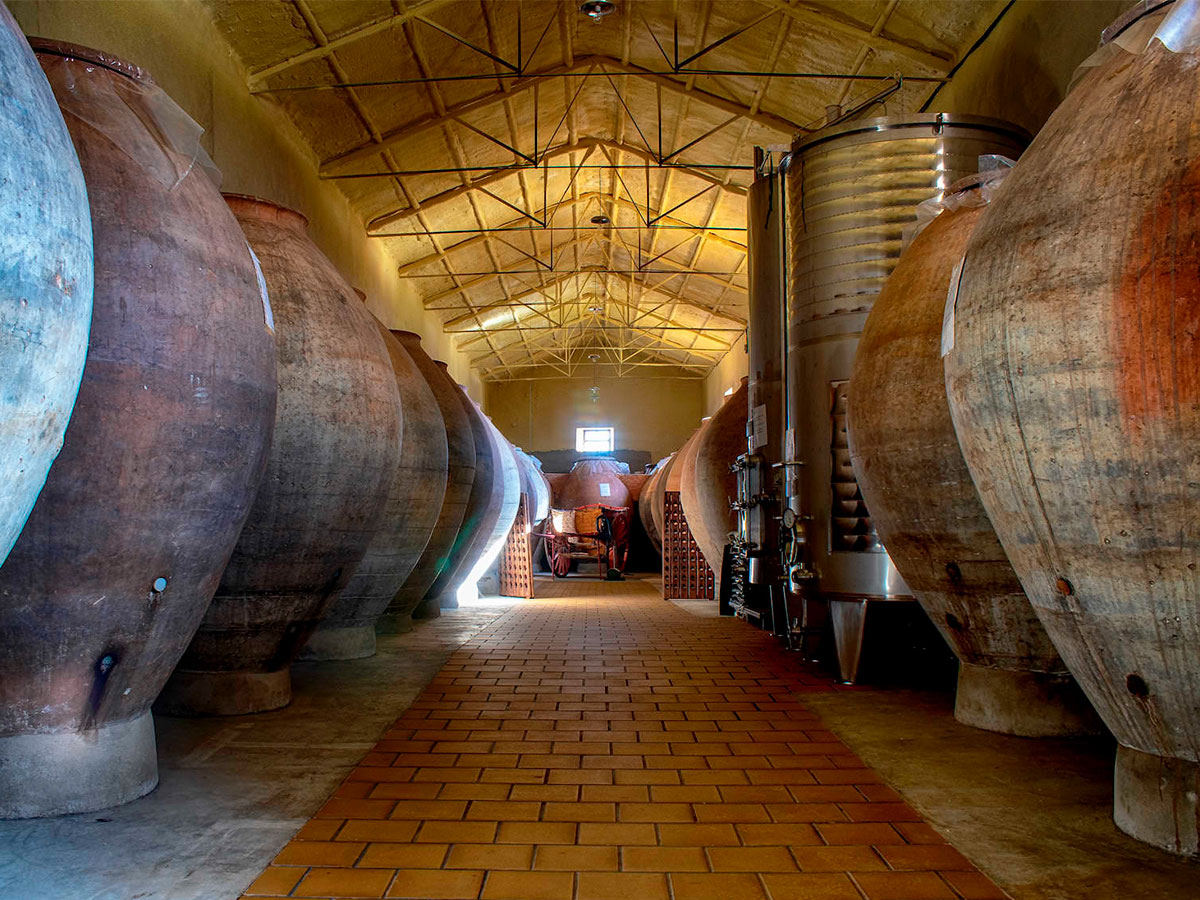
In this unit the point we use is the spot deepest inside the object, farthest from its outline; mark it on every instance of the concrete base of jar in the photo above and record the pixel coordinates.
(77, 771)
(1156, 799)
(224, 693)
(429, 608)
(351, 642)
(1025, 704)
(394, 623)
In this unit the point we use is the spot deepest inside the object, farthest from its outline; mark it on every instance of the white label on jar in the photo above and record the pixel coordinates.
(951, 303)
(605, 491)
(262, 291)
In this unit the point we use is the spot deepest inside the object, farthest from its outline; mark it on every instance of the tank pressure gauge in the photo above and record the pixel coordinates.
(789, 518)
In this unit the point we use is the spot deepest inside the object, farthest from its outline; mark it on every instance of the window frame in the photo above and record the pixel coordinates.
(582, 441)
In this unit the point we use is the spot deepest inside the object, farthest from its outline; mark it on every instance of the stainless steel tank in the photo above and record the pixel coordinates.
(766, 410)
(851, 190)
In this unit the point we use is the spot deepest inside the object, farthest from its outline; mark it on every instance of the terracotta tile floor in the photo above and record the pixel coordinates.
(611, 746)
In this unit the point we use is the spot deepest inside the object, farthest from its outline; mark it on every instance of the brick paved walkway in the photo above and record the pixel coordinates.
(610, 746)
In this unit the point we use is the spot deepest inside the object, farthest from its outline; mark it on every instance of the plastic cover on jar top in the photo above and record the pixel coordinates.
(970, 191)
(126, 106)
(1180, 30)
(1175, 24)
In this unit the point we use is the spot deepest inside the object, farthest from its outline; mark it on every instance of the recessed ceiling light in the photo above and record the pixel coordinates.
(597, 9)
(601, 220)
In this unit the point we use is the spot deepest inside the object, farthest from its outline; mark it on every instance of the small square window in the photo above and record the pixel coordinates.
(594, 440)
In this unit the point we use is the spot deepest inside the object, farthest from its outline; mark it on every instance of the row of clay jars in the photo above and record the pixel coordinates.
(1074, 385)
(460, 441)
(170, 443)
(534, 486)
(498, 519)
(650, 497)
(706, 480)
(925, 507)
(333, 461)
(668, 480)
(491, 502)
(162, 458)
(413, 507)
(45, 283)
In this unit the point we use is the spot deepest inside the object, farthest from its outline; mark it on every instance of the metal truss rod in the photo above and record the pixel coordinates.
(612, 363)
(612, 227)
(713, 45)
(453, 35)
(533, 167)
(517, 345)
(587, 327)
(543, 271)
(493, 76)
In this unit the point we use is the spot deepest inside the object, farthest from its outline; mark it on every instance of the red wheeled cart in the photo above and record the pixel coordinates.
(588, 532)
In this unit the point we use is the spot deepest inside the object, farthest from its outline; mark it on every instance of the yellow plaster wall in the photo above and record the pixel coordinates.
(1021, 71)
(728, 373)
(257, 149)
(654, 414)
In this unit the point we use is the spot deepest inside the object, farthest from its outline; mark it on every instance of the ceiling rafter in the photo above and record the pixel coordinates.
(820, 17)
(772, 122)
(430, 299)
(677, 224)
(513, 301)
(259, 76)
(507, 271)
(532, 296)
(492, 178)
(438, 101)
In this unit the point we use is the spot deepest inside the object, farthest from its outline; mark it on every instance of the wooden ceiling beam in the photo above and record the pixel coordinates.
(520, 85)
(259, 76)
(430, 299)
(678, 224)
(492, 178)
(822, 18)
(511, 302)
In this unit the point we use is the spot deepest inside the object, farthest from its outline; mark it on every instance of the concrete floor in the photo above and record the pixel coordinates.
(1035, 815)
(232, 791)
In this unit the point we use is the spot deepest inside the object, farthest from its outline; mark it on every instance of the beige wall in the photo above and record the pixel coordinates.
(729, 372)
(257, 149)
(1021, 72)
(654, 414)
